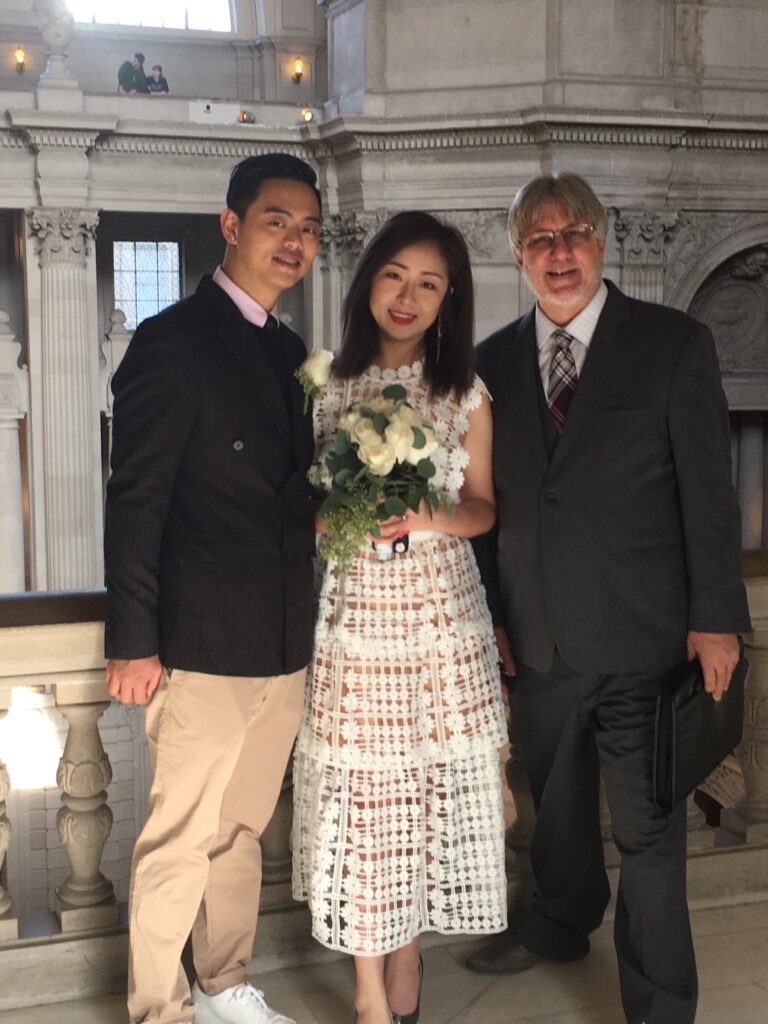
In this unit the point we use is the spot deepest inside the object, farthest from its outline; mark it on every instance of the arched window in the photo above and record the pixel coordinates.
(205, 15)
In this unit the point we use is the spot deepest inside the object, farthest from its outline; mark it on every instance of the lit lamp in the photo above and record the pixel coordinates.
(21, 58)
(298, 71)
(307, 116)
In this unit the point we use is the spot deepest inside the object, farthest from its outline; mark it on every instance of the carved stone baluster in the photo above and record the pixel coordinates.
(86, 898)
(9, 928)
(750, 817)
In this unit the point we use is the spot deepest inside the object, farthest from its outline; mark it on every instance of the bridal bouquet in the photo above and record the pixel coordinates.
(378, 466)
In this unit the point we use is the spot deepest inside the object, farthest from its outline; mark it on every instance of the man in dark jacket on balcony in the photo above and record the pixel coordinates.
(209, 541)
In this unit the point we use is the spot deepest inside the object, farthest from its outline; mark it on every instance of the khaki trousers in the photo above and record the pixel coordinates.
(219, 746)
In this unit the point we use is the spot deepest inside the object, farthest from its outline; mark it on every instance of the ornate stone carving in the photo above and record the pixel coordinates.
(485, 232)
(63, 236)
(202, 147)
(751, 266)
(733, 302)
(345, 235)
(643, 235)
(693, 235)
(84, 821)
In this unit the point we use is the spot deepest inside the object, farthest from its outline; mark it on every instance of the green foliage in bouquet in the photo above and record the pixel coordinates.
(379, 466)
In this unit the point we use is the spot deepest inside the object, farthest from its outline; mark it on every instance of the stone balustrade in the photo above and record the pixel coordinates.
(54, 643)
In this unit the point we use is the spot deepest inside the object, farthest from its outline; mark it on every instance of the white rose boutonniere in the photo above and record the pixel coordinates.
(314, 372)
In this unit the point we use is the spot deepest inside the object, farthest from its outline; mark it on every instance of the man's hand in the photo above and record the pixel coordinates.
(719, 655)
(133, 680)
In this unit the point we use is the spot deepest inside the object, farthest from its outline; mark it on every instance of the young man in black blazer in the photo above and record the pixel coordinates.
(209, 540)
(616, 558)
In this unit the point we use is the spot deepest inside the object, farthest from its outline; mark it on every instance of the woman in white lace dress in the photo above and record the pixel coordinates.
(398, 823)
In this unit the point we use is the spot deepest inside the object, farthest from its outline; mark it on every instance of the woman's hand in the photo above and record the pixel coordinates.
(396, 526)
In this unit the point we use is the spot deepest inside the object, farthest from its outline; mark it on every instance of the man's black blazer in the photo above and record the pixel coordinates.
(628, 536)
(209, 524)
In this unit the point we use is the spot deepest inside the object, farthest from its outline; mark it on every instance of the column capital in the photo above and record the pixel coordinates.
(62, 235)
(643, 234)
(345, 235)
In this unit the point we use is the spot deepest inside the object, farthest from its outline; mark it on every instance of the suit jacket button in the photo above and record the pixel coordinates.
(551, 498)
(238, 445)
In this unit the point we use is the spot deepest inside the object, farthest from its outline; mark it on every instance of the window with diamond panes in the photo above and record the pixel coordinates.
(147, 278)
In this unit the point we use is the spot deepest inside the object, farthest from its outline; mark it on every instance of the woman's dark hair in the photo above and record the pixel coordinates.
(449, 363)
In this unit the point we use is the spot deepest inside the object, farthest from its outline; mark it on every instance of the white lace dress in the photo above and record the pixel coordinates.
(398, 822)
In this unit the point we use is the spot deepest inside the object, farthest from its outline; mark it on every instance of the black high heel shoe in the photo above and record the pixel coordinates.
(411, 1018)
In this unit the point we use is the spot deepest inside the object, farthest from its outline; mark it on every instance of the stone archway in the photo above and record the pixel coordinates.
(733, 303)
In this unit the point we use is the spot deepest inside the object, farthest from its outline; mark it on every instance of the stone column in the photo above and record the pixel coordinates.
(343, 238)
(86, 898)
(641, 235)
(749, 819)
(13, 405)
(70, 421)
(9, 927)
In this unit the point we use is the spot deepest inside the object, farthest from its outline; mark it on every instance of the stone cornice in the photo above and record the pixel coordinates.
(197, 146)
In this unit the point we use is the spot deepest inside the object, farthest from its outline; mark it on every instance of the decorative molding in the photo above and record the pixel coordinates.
(61, 138)
(210, 148)
(351, 138)
(63, 236)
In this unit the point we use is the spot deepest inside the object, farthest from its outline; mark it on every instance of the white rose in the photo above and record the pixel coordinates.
(317, 366)
(364, 433)
(416, 454)
(350, 419)
(400, 436)
(408, 415)
(380, 404)
(379, 458)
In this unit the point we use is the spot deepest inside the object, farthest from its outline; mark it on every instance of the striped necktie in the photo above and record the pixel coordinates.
(562, 378)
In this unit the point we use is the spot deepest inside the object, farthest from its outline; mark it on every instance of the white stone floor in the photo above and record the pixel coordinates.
(731, 945)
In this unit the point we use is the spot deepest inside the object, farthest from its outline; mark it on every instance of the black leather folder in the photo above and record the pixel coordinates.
(693, 732)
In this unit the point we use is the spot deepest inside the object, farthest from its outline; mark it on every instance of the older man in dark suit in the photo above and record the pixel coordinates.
(209, 543)
(616, 558)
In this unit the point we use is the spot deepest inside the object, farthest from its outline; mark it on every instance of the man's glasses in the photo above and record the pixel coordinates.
(574, 237)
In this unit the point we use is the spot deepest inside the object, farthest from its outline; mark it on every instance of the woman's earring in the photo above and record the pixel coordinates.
(439, 337)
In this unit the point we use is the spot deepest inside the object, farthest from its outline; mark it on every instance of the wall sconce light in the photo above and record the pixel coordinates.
(307, 115)
(298, 71)
(21, 59)
(246, 117)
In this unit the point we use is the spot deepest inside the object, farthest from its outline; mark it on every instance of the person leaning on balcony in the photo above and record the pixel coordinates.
(209, 543)
(130, 76)
(617, 557)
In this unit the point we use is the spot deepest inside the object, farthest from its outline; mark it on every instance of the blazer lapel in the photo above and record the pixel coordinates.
(525, 378)
(597, 373)
(238, 335)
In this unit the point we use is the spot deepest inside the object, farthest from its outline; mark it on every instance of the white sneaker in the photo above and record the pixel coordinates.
(241, 1004)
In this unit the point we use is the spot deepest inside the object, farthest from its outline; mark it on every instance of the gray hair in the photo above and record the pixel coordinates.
(571, 191)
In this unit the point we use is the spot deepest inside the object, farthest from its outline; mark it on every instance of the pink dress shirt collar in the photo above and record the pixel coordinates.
(251, 310)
